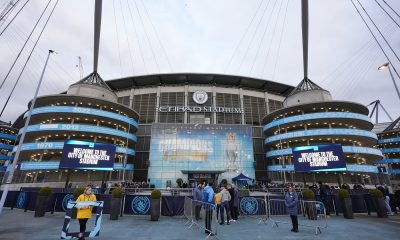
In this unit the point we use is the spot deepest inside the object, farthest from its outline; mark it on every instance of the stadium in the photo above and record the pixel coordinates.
(311, 118)
(89, 111)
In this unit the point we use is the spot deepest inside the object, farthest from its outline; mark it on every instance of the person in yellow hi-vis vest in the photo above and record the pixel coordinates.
(84, 213)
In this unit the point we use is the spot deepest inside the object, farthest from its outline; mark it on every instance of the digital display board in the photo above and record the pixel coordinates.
(199, 148)
(321, 158)
(87, 155)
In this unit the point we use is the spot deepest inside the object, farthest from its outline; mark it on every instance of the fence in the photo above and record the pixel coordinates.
(254, 207)
(201, 215)
(310, 214)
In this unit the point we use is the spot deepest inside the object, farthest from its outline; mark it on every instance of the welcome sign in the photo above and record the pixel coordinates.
(87, 155)
(321, 158)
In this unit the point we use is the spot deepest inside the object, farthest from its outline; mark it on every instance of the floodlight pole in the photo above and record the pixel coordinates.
(9, 177)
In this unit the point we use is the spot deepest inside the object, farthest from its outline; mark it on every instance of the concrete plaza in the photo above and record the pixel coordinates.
(16, 224)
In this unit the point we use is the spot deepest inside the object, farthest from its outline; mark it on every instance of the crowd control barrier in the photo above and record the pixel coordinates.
(254, 207)
(310, 214)
(201, 215)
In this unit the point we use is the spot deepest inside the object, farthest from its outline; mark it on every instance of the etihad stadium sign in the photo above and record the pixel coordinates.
(197, 109)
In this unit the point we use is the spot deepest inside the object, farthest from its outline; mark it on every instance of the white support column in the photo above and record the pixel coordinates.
(241, 104)
(158, 103)
(214, 96)
(266, 98)
(185, 120)
(131, 98)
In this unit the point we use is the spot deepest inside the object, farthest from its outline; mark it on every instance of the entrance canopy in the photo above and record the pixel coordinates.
(241, 177)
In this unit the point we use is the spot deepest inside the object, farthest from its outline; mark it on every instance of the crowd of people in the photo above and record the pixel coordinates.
(225, 198)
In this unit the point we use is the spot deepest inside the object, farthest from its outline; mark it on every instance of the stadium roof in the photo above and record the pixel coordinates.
(199, 78)
(395, 125)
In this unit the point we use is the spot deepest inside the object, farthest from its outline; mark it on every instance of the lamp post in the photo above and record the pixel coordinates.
(387, 65)
(9, 177)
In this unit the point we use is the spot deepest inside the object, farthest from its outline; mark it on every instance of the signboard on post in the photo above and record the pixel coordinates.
(87, 155)
(321, 158)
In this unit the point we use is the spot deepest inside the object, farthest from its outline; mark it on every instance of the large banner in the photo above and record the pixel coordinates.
(321, 158)
(199, 148)
(87, 155)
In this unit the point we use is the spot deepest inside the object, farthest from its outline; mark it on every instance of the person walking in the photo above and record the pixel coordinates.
(385, 191)
(197, 197)
(231, 201)
(85, 212)
(225, 199)
(209, 199)
(291, 201)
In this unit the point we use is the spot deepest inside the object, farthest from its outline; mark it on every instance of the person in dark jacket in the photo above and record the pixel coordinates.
(324, 195)
(198, 197)
(236, 201)
(231, 202)
(291, 201)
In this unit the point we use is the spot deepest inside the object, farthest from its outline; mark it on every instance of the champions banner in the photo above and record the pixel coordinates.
(206, 148)
(321, 158)
(87, 155)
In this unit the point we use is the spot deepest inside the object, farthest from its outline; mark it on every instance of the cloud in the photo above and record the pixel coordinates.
(201, 36)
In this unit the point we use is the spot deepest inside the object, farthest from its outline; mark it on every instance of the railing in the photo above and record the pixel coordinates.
(310, 214)
(254, 207)
(201, 215)
(164, 191)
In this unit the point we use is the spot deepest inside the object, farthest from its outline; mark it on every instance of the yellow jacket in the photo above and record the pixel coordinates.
(218, 198)
(85, 212)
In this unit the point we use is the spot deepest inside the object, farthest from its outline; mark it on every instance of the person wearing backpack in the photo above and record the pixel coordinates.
(209, 199)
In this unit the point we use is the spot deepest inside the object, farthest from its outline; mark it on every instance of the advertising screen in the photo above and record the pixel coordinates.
(321, 158)
(199, 148)
(87, 155)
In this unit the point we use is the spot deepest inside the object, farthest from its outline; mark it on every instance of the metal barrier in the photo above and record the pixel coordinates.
(165, 191)
(201, 215)
(255, 208)
(310, 214)
(188, 211)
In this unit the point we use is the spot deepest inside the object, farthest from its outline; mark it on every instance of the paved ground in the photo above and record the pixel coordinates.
(15, 224)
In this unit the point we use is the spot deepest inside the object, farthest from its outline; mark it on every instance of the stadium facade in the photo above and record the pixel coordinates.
(8, 136)
(88, 111)
(311, 118)
(198, 127)
(389, 143)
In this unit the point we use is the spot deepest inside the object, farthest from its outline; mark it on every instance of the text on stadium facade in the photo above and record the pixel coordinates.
(199, 109)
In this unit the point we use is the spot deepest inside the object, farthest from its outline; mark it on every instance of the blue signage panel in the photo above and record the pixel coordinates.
(321, 158)
(87, 155)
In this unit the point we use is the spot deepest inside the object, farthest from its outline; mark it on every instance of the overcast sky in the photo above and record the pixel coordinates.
(255, 38)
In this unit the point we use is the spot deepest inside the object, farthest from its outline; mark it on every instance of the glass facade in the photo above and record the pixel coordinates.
(178, 149)
(254, 104)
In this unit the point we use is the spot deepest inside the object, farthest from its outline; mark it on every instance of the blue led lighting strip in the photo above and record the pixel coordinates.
(80, 128)
(389, 140)
(321, 132)
(60, 145)
(85, 111)
(350, 168)
(317, 116)
(8, 136)
(346, 149)
(53, 165)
